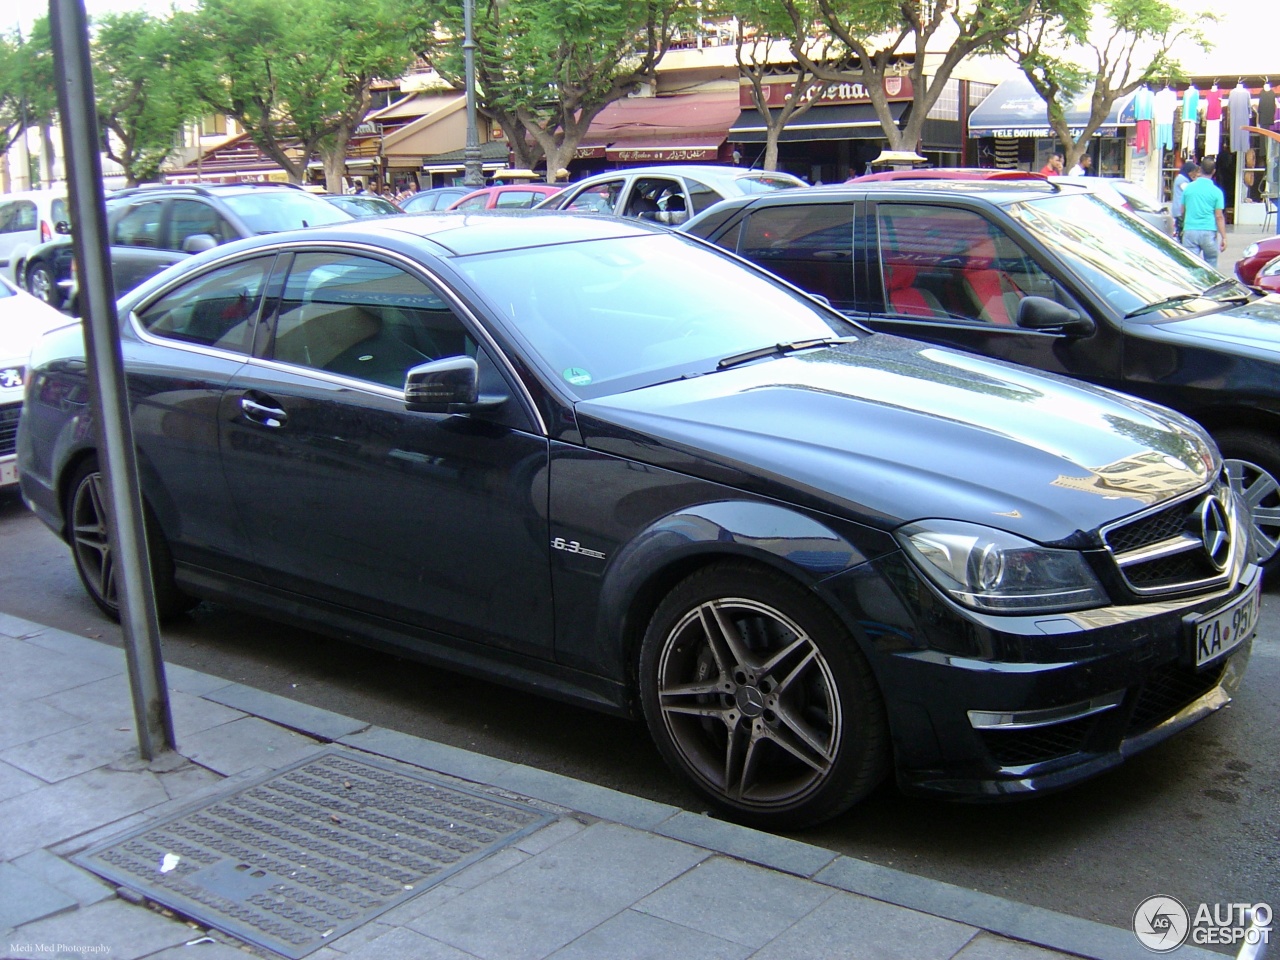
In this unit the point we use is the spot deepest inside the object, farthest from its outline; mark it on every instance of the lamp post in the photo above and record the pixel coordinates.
(473, 168)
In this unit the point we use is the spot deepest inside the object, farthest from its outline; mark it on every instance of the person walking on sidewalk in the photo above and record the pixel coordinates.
(1204, 227)
(1190, 170)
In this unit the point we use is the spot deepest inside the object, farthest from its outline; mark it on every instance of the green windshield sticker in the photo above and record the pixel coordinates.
(577, 376)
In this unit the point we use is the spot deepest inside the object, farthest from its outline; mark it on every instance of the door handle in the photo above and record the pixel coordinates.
(261, 413)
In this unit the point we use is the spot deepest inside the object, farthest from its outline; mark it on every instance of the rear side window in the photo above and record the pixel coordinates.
(139, 227)
(217, 309)
(17, 216)
(701, 196)
(809, 244)
(191, 218)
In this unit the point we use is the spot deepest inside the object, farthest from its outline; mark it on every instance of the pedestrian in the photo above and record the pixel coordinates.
(1081, 167)
(1054, 167)
(1188, 172)
(1203, 219)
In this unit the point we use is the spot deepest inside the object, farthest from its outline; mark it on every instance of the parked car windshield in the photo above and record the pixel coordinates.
(285, 210)
(616, 314)
(1126, 264)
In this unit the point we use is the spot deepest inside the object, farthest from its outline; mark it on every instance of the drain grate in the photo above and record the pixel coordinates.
(303, 855)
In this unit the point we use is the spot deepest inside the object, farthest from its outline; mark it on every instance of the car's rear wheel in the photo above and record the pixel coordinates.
(755, 693)
(1253, 464)
(42, 284)
(95, 560)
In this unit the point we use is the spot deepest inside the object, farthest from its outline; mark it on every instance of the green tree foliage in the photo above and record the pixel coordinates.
(923, 39)
(141, 99)
(545, 70)
(1107, 51)
(28, 91)
(766, 47)
(296, 76)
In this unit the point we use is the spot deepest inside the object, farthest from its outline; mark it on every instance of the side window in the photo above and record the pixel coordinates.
(140, 227)
(809, 244)
(475, 203)
(363, 318)
(651, 196)
(17, 216)
(946, 262)
(517, 198)
(217, 309)
(189, 218)
(601, 198)
(701, 196)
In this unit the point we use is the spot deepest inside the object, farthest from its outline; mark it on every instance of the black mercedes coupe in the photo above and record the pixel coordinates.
(612, 464)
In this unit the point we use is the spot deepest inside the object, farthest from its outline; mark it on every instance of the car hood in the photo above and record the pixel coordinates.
(21, 325)
(888, 430)
(1249, 327)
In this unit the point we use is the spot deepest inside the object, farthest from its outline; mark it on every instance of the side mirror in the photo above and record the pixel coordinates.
(63, 227)
(1041, 313)
(450, 385)
(199, 243)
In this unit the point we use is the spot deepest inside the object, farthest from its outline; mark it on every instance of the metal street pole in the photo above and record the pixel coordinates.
(117, 457)
(473, 168)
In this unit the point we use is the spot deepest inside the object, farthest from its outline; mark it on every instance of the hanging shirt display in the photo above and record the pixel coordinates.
(1144, 103)
(1213, 122)
(1267, 107)
(1165, 106)
(1190, 117)
(1240, 114)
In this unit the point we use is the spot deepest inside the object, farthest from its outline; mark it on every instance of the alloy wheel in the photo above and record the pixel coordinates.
(1261, 494)
(89, 540)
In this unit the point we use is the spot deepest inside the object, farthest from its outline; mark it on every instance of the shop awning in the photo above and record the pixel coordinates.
(838, 121)
(666, 150)
(1014, 109)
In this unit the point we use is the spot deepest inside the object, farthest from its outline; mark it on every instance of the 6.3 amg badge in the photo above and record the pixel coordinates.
(573, 546)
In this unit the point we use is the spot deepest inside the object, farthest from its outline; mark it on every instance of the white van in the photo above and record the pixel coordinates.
(27, 218)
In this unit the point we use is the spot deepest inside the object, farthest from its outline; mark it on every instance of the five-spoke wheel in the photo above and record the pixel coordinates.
(755, 692)
(1253, 464)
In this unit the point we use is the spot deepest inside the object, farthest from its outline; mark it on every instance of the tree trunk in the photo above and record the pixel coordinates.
(771, 150)
(335, 165)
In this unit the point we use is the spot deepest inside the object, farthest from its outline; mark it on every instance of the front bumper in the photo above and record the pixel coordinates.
(984, 707)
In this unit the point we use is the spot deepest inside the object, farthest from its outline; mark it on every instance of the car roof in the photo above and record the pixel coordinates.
(995, 191)
(695, 170)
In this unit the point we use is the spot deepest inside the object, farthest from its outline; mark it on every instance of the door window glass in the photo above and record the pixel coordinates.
(17, 216)
(652, 196)
(701, 196)
(189, 218)
(363, 318)
(217, 309)
(809, 244)
(601, 198)
(946, 262)
(517, 198)
(139, 227)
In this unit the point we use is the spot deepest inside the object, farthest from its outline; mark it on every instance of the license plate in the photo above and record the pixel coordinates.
(8, 473)
(1221, 632)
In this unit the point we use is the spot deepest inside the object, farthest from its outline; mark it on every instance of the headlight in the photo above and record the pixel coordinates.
(996, 572)
(1250, 251)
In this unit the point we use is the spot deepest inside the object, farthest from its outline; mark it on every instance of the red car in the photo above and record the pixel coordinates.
(507, 196)
(1256, 256)
(1268, 278)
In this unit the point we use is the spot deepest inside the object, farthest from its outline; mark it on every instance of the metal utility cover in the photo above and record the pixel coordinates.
(303, 855)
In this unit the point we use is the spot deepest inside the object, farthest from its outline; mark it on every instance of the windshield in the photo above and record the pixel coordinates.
(615, 314)
(1127, 263)
(283, 210)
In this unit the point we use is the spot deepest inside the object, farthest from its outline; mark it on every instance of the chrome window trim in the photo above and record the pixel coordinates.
(344, 246)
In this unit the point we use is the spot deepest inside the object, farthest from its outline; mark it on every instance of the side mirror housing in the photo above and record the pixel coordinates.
(449, 385)
(63, 227)
(199, 243)
(1041, 313)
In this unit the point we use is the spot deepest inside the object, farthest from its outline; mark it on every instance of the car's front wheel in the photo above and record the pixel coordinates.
(1253, 464)
(754, 691)
(42, 284)
(95, 560)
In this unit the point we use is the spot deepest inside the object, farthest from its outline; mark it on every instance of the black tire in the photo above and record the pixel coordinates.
(43, 285)
(87, 534)
(758, 696)
(1253, 463)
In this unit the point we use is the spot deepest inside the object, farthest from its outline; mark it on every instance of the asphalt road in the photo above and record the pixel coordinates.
(1197, 818)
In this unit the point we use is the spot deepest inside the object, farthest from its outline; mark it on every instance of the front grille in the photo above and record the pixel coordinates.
(1164, 551)
(9, 428)
(1166, 691)
(1014, 747)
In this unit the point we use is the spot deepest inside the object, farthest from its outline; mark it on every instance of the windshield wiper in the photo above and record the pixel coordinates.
(1161, 304)
(1239, 297)
(780, 350)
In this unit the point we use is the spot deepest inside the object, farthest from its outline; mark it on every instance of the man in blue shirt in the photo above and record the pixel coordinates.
(1189, 171)
(1204, 228)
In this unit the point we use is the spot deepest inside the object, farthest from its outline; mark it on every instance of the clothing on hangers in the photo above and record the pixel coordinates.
(1240, 110)
(1164, 108)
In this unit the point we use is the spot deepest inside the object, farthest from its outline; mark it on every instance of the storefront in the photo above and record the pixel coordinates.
(838, 136)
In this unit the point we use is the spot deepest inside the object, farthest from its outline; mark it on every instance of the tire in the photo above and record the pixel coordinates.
(1253, 464)
(43, 285)
(756, 694)
(93, 556)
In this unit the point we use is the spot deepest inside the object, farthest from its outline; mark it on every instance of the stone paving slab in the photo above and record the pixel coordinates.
(322, 724)
(235, 747)
(81, 885)
(24, 897)
(125, 931)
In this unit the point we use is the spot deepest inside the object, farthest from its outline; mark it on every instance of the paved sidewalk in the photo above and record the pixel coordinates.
(610, 876)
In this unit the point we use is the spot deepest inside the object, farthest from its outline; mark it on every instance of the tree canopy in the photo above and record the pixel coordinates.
(544, 70)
